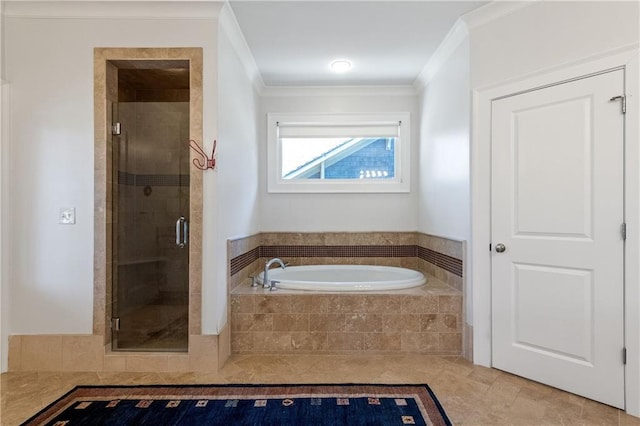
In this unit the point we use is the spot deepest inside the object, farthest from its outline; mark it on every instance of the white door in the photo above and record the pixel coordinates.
(557, 208)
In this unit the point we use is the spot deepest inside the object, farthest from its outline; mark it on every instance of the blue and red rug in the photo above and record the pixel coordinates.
(166, 405)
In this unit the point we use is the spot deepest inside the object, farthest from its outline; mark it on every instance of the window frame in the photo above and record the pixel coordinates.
(399, 184)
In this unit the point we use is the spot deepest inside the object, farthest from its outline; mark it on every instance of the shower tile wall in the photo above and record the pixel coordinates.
(150, 202)
(153, 192)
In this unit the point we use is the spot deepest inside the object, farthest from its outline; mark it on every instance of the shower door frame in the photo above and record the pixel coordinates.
(105, 94)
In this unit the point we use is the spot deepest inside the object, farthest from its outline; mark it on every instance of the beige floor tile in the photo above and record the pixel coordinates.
(471, 395)
(484, 375)
(596, 413)
(626, 420)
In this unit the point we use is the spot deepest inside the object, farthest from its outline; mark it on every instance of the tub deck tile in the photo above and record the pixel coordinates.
(290, 322)
(423, 320)
(400, 323)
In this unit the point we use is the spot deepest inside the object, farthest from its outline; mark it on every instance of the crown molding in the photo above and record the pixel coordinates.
(229, 24)
(492, 11)
(460, 31)
(456, 35)
(112, 9)
(291, 91)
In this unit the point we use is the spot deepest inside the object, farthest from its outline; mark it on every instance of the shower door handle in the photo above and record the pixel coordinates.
(185, 232)
(182, 228)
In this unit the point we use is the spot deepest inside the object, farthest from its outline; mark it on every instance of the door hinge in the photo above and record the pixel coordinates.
(623, 231)
(623, 102)
(116, 129)
(115, 324)
(624, 356)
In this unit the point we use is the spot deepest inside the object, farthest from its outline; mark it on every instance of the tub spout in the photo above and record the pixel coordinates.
(267, 265)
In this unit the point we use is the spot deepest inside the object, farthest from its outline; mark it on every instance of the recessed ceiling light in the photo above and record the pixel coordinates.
(340, 65)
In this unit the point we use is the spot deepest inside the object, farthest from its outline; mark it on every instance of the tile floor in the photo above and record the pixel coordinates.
(471, 395)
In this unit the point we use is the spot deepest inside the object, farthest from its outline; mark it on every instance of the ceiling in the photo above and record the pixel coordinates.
(388, 42)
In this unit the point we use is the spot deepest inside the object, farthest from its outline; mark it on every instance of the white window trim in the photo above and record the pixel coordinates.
(275, 183)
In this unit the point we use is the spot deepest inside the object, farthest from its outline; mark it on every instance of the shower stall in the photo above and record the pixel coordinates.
(150, 212)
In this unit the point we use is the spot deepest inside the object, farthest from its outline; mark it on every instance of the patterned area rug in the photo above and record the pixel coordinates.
(328, 405)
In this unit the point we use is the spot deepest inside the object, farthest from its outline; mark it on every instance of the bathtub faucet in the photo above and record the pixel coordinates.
(267, 265)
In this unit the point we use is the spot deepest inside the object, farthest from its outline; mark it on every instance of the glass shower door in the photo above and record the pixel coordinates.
(151, 213)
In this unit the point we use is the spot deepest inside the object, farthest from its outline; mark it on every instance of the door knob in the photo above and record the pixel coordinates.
(500, 248)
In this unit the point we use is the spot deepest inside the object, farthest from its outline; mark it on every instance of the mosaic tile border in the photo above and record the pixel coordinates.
(132, 179)
(448, 263)
(240, 262)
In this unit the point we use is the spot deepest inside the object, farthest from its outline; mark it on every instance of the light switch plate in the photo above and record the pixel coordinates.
(67, 216)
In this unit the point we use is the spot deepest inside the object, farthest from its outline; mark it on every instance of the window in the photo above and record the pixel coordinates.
(338, 152)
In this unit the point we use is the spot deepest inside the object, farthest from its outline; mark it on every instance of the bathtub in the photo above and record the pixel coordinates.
(344, 278)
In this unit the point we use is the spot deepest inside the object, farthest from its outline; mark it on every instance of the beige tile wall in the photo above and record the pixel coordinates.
(88, 353)
(453, 248)
(339, 323)
(445, 246)
(334, 323)
(339, 238)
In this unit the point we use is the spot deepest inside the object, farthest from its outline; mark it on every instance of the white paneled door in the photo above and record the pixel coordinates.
(557, 243)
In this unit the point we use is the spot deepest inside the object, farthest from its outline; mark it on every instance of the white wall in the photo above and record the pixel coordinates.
(4, 278)
(236, 197)
(49, 64)
(4, 167)
(5, 228)
(444, 207)
(338, 212)
(549, 34)
(445, 113)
